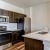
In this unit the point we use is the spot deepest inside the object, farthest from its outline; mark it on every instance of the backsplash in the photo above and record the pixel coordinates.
(20, 26)
(10, 26)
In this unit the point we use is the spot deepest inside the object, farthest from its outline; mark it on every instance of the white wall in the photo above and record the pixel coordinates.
(40, 16)
(27, 11)
(7, 6)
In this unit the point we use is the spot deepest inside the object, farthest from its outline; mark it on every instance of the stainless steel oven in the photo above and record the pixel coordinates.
(4, 19)
(5, 37)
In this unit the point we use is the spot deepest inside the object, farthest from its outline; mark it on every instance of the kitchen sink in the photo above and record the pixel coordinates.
(42, 32)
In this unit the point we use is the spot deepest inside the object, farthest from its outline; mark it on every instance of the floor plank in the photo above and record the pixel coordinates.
(18, 46)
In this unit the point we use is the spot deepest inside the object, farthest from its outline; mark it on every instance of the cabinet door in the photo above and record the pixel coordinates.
(18, 16)
(5, 12)
(14, 37)
(15, 16)
(31, 44)
(20, 38)
(1, 11)
(10, 17)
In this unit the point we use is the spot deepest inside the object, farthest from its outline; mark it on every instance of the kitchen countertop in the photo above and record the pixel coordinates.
(35, 35)
(9, 31)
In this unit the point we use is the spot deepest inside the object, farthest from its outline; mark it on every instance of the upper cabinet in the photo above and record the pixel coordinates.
(1, 11)
(4, 12)
(10, 14)
(18, 18)
(21, 15)
(13, 16)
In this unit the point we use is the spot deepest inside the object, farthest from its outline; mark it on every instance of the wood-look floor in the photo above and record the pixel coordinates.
(18, 46)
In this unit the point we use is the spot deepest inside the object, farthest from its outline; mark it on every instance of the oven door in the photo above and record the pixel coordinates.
(5, 38)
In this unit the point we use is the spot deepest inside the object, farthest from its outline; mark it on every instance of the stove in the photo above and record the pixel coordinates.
(5, 36)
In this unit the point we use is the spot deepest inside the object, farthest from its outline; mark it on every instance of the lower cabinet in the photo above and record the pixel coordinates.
(32, 44)
(20, 38)
(14, 37)
(17, 36)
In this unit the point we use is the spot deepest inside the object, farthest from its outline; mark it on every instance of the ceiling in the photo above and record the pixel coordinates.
(26, 3)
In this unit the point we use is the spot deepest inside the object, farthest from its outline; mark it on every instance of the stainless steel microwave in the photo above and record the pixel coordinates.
(4, 19)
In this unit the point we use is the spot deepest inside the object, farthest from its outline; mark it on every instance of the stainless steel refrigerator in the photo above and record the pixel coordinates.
(27, 25)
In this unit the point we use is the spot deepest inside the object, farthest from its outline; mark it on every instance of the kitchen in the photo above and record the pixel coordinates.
(12, 27)
(31, 18)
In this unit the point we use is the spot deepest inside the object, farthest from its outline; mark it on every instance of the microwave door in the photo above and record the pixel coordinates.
(0, 19)
(4, 20)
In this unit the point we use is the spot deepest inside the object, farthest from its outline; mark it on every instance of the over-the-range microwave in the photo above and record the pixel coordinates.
(4, 19)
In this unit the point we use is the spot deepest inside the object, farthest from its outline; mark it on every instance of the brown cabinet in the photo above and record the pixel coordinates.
(12, 15)
(1, 11)
(5, 12)
(18, 17)
(19, 20)
(32, 44)
(22, 15)
(15, 16)
(14, 37)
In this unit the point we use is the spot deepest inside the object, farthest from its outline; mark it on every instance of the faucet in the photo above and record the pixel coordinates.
(47, 27)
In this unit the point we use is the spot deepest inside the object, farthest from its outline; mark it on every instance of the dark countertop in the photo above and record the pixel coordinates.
(9, 31)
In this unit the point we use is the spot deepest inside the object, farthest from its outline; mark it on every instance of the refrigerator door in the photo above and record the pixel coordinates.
(27, 25)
